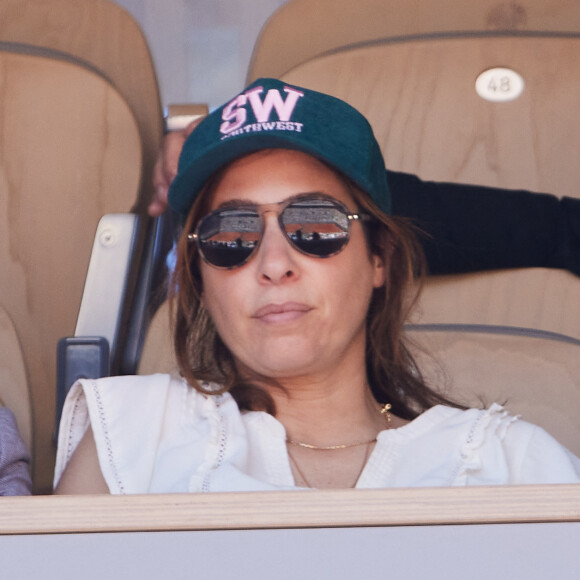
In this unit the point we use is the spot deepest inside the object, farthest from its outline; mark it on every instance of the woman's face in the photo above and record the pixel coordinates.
(285, 314)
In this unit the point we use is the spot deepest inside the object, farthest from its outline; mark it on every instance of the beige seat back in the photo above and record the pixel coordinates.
(102, 36)
(534, 374)
(158, 354)
(411, 69)
(78, 85)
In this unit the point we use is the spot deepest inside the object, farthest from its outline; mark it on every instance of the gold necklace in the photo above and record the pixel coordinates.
(308, 484)
(384, 410)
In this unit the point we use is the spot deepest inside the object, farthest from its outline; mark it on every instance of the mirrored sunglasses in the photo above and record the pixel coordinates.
(316, 226)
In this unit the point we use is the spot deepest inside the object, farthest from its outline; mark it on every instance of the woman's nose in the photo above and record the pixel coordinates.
(276, 258)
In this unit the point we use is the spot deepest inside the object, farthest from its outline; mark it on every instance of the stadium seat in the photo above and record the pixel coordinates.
(534, 374)
(81, 126)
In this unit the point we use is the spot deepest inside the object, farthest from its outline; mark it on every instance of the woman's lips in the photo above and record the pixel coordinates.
(280, 313)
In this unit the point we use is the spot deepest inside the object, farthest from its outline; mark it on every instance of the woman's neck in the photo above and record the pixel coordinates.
(333, 411)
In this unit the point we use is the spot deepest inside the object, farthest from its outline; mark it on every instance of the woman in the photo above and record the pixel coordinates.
(293, 285)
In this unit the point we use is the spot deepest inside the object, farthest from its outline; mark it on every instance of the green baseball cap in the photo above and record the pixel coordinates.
(270, 113)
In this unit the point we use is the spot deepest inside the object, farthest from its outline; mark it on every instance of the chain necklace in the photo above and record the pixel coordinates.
(384, 410)
(308, 484)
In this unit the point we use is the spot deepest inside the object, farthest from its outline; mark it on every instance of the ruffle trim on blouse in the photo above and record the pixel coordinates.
(495, 419)
(218, 441)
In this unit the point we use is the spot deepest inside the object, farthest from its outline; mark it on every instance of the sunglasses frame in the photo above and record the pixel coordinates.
(279, 208)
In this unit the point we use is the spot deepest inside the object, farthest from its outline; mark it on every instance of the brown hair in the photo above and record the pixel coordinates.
(393, 375)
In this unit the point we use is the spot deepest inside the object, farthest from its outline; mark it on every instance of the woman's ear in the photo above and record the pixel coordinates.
(379, 271)
(381, 261)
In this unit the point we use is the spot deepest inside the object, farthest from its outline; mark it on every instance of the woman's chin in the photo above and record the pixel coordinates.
(284, 364)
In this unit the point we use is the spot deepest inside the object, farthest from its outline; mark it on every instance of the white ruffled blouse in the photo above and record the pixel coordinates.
(157, 434)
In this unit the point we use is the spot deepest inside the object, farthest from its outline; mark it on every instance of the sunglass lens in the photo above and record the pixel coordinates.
(227, 238)
(316, 227)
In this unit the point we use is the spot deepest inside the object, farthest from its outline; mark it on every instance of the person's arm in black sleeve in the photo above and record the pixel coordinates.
(470, 228)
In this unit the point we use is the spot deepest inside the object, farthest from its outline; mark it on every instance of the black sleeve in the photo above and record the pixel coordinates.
(469, 228)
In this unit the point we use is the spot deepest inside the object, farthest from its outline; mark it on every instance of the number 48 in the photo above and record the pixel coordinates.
(499, 84)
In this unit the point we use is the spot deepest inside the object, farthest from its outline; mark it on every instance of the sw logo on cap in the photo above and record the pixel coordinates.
(272, 114)
(235, 113)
